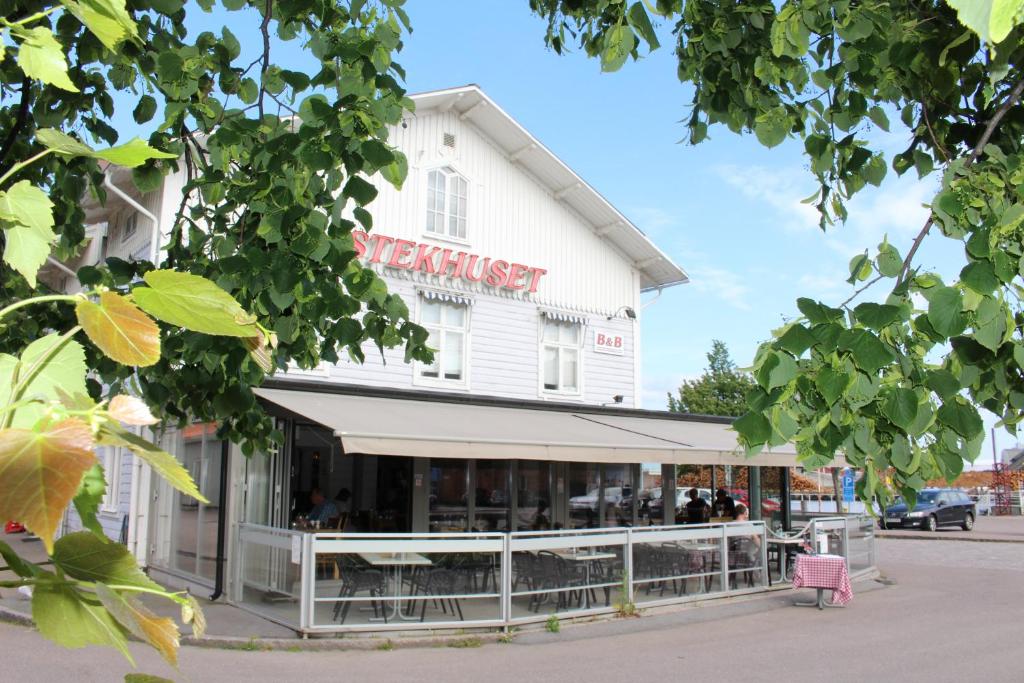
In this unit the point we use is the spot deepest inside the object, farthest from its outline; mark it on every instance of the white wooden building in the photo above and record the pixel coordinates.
(530, 283)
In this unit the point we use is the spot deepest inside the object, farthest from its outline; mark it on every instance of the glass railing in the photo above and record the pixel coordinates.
(332, 582)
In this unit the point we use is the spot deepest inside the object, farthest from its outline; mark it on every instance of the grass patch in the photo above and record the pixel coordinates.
(386, 646)
(466, 642)
(624, 607)
(553, 625)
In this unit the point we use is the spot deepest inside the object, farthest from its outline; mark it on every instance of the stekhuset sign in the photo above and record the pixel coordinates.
(445, 262)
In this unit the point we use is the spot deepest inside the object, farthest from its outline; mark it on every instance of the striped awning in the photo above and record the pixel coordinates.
(563, 316)
(450, 297)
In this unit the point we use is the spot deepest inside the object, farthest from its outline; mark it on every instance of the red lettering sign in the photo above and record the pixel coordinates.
(424, 258)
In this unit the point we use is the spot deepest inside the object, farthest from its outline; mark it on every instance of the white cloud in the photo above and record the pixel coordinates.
(721, 283)
(781, 189)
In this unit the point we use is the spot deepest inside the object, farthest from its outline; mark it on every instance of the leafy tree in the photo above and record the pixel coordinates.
(259, 271)
(721, 390)
(894, 385)
(278, 166)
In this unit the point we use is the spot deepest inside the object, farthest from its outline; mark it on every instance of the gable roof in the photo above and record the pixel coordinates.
(471, 104)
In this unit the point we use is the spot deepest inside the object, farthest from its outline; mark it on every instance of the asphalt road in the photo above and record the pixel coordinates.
(954, 614)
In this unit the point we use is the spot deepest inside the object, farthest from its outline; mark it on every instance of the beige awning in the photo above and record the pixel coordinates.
(437, 429)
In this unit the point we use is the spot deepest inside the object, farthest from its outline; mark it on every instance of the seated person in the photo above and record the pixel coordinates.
(540, 520)
(322, 509)
(745, 549)
(697, 511)
(724, 505)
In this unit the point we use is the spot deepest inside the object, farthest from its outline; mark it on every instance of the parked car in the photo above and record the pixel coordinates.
(612, 496)
(934, 508)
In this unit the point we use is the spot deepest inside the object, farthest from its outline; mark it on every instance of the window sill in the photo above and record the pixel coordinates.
(461, 241)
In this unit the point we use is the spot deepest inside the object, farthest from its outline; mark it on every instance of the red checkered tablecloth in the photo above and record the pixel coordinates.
(824, 571)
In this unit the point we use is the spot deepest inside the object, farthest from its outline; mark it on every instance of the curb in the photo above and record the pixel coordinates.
(933, 537)
(469, 639)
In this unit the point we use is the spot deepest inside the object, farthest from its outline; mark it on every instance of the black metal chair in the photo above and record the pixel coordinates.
(442, 584)
(357, 578)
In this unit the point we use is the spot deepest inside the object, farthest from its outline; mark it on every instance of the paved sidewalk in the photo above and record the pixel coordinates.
(986, 529)
(896, 633)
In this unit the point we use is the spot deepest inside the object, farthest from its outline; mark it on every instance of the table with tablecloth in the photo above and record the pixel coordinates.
(824, 572)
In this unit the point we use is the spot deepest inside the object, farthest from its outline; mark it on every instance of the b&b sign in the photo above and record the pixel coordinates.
(608, 342)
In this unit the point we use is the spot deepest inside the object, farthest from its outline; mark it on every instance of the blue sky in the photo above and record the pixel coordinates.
(728, 211)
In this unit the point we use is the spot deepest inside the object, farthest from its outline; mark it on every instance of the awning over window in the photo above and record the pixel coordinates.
(563, 316)
(437, 429)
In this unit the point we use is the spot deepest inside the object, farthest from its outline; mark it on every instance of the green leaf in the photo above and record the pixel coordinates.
(877, 316)
(120, 329)
(754, 428)
(900, 455)
(26, 214)
(868, 351)
(980, 276)
(639, 20)
(943, 383)
(88, 499)
(64, 371)
(397, 171)
(194, 303)
(145, 110)
(107, 19)
(899, 405)
(64, 615)
(16, 564)
(962, 417)
(159, 632)
(360, 190)
(618, 44)
(877, 115)
(945, 311)
(889, 261)
(165, 464)
(990, 324)
(40, 472)
(817, 313)
(771, 126)
(832, 383)
(992, 20)
(41, 57)
(86, 557)
(860, 268)
(796, 339)
(777, 370)
(133, 153)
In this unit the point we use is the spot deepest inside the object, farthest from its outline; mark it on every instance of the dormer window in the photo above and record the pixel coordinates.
(447, 193)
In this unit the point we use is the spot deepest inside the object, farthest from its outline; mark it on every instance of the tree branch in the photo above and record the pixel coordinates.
(26, 98)
(265, 32)
(986, 135)
(857, 293)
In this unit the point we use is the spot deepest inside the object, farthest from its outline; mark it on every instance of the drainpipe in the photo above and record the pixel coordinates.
(154, 238)
(222, 520)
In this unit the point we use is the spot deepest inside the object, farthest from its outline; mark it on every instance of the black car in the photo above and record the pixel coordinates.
(934, 508)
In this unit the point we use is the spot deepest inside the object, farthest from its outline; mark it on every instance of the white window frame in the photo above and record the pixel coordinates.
(559, 346)
(112, 460)
(448, 172)
(417, 371)
(130, 227)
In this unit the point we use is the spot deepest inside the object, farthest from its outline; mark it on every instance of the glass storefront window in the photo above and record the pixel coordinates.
(534, 496)
(492, 498)
(618, 495)
(584, 494)
(771, 497)
(448, 499)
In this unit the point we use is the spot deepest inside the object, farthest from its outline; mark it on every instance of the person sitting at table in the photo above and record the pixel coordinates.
(745, 551)
(696, 509)
(540, 520)
(724, 506)
(322, 509)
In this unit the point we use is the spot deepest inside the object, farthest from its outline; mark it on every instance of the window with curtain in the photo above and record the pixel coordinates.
(560, 354)
(447, 196)
(447, 323)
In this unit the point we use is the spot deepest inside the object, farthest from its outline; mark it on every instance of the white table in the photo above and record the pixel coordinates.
(587, 559)
(396, 561)
(708, 550)
(786, 542)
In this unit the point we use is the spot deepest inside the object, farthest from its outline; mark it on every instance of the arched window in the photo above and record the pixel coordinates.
(447, 193)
